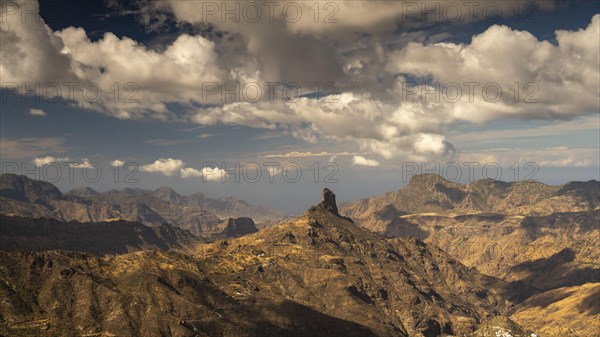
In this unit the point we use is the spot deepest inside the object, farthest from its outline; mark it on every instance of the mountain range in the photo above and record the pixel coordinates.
(540, 239)
(22, 196)
(317, 275)
(431, 193)
(435, 258)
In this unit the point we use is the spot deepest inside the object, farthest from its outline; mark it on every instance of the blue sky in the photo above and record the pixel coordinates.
(369, 131)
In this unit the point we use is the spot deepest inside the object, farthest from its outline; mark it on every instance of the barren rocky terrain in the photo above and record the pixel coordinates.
(388, 272)
(542, 240)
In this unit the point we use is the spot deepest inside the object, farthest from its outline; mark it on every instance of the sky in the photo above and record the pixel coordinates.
(270, 101)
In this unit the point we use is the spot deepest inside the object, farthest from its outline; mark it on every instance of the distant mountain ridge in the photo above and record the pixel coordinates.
(431, 193)
(22, 196)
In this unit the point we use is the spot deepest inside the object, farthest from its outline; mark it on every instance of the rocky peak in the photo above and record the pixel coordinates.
(167, 194)
(83, 191)
(236, 227)
(427, 180)
(22, 188)
(328, 201)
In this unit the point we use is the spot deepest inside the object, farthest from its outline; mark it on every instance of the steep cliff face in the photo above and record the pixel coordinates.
(318, 275)
(231, 228)
(236, 227)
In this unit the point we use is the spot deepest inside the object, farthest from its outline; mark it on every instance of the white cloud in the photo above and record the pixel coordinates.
(362, 161)
(565, 78)
(213, 173)
(430, 143)
(370, 113)
(117, 163)
(189, 172)
(41, 161)
(84, 164)
(207, 173)
(174, 75)
(287, 47)
(31, 52)
(166, 166)
(37, 112)
(34, 54)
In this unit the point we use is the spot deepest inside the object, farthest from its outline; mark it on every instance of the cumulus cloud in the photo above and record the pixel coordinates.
(84, 164)
(37, 112)
(371, 109)
(333, 16)
(166, 166)
(386, 128)
(175, 75)
(117, 163)
(537, 80)
(339, 41)
(207, 173)
(428, 143)
(41, 161)
(213, 173)
(169, 167)
(189, 172)
(31, 52)
(287, 37)
(362, 161)
(34, 54)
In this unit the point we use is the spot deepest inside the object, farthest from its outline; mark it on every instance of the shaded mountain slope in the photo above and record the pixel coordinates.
(111, 237)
